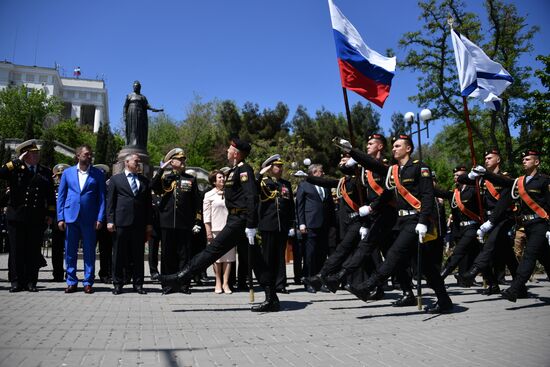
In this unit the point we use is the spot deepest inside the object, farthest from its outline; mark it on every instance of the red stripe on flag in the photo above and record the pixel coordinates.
(353, 80)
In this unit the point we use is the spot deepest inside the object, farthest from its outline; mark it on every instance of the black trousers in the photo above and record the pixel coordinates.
(273, 251)
(497, 250)
(315, 250)
(233, 233)
(536, 248)
(404, 249)
(153, 256)
(346, 247)
(105, 243)
(464, 250)
(25, 244)
(176, 250)
(58, 251)
(128, 250)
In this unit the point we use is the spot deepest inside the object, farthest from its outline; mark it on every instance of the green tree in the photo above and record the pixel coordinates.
(70, 133)
(22, 111)
(431, 54)
(164, 134)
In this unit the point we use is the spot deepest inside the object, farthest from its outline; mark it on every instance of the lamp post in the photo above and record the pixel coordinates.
(424, 116)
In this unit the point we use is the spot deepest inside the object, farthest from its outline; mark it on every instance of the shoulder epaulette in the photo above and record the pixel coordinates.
(384, 160)
(9, 165)
(416, 161)
(240, 164)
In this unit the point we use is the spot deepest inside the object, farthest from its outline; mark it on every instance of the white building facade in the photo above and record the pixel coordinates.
(83, 99)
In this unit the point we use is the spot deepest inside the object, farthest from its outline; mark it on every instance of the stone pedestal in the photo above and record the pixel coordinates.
(147, 169)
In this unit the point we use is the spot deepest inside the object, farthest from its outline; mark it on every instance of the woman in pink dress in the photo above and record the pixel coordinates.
(215, 217)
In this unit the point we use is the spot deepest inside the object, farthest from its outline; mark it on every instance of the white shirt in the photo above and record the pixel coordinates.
(82, 176)
(129, 178)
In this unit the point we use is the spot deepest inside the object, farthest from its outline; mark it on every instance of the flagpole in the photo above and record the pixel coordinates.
(472, 153)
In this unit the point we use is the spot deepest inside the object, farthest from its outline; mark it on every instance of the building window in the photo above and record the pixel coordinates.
(29, 78)
(43, 78)
(66, 112)
(87, 114)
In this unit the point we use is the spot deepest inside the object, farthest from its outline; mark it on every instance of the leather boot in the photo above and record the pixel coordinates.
(183, 276)
(362, 291)
(469, 276)
(509, 294)
(271, 303)
(314, 282)
(379, 294)
(407, 299)
(333, 281)
(491, 289)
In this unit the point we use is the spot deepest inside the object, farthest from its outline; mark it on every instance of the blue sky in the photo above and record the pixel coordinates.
(244, 50)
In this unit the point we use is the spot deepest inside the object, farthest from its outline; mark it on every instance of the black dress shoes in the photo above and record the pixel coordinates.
(185, 289)
(16, 289)
(117, 290)
(509, 294)
(32, 288)
(407, 299)
(379, 294)
(310, 289)
(271, 303)
(436, 308)
(168, 290)
(140, 290)
(282, 291)
(314, 282)
(155, 276)
(491, 289)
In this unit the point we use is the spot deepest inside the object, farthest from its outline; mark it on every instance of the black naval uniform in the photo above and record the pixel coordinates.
(154, 241)
(498, 247)
(415, 176)
(464, 228)
(276, 217)
(179, 210)
(31, 199)
(536, 248)
(241, 200)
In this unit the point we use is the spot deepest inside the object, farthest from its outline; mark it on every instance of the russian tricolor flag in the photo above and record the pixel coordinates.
(362, 70)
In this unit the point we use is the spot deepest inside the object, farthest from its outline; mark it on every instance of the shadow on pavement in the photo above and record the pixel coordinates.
(545, 301)
(457, 309)
(285, 306)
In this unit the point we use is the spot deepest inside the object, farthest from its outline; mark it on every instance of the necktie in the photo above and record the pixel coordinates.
(133, 183)
(31, 168)
(321, 192)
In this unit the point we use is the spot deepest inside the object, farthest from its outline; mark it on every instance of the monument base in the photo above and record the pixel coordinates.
(146, 168)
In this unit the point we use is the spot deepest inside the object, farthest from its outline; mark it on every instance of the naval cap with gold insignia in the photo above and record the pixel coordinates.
(27, 146)
(378, 137)
(241, 145)
(176, 153)
(403, 137)
(59, 168)
(105, 168)
(274, 159)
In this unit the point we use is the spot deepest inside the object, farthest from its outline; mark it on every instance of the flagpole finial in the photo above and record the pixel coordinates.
(450, 20)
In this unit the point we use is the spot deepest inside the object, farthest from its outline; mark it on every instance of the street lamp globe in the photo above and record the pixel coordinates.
(409, 117)
(307, 162)
(425, 114)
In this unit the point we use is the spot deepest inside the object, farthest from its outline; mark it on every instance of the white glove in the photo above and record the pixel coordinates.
(291, 232)
(302, 227)
(250, 234)
(548, 237)
(486, 227)
(363, 231)
(265, 169)
(196, 229)
(473, 175)
(480, 236)
(480, 170)
(421, 229)
(365, 210)
(346, 145)
(351, 162)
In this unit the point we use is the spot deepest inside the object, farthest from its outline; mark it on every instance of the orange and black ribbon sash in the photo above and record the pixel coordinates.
(346, 197)
(529, 201)
(373, 184)
(470, 214)
(491, 188)
(409, 198)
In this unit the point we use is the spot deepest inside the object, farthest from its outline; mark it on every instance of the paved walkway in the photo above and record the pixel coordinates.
(51, 328)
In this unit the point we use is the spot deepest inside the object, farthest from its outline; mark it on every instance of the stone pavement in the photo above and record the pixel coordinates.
(51, 328)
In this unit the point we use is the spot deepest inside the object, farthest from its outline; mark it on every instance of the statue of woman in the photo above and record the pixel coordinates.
(135, 116)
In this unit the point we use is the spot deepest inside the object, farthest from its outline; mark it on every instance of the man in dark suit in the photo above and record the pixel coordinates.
(31, 205)
(315, 210)
(129, 217)
(80, 212)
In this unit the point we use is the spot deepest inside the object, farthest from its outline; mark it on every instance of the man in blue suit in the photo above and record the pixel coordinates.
(315, 212)
(80, 211)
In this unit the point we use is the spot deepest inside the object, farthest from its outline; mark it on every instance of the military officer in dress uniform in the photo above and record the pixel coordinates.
(276, 217)
(31, 207)
(179, 213)
(58, 236)
(241, 199)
